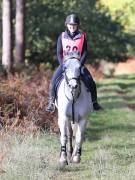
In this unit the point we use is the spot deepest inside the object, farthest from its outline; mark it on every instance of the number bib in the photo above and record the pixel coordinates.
(72, 48)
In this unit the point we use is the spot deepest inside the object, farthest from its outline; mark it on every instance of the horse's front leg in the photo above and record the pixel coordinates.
(76, 156)
(62, 122)
(70, 139)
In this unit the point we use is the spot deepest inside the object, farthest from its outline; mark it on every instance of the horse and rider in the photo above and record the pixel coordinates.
(72, 43)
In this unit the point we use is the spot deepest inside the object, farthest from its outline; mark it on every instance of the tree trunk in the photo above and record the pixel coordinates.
(7, 53)
(19, 32)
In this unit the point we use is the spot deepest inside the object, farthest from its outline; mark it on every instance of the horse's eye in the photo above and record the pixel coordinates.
(64, 68)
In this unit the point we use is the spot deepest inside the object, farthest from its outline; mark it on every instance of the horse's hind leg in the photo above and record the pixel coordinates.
(62, 122)
(76, 157)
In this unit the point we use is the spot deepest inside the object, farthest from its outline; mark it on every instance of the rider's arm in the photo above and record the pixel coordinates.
(84, 52)
(59, 50)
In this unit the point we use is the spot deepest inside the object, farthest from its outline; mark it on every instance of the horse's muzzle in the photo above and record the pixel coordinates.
(73, 84)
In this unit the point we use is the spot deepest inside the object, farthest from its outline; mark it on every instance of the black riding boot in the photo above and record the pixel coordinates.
(93, 91)
(51, 102)
(91, 85)
(55, 79)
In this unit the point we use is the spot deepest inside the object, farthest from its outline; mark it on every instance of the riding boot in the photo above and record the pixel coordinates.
(96, 105)
(55, 79)
(51, 102)
(91, 86)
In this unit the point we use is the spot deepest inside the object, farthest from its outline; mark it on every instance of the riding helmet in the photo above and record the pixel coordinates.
(72, 19)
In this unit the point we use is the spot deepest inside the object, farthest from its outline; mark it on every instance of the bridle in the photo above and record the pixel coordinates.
(73, 89)
(69, 79)
(78, 82)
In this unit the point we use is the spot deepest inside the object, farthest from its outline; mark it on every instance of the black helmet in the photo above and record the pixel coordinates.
(72, 19)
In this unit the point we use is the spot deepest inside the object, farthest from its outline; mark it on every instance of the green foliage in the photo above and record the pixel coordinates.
(124, 10)
(106, 26)
(106, 37)
(43, 23)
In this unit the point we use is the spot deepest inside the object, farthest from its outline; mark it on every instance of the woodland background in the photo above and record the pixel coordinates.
(109, 26)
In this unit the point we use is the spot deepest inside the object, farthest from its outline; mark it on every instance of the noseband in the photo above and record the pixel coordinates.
(73, 89)
(69, 79)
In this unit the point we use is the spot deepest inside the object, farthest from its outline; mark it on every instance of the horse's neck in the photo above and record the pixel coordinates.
(67, 91)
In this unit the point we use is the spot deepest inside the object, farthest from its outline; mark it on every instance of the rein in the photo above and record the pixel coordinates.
(73, 110)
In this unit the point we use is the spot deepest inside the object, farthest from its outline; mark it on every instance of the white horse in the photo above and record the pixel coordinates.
(74, 105)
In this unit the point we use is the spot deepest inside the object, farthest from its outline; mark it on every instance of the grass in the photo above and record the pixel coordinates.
(108, 151)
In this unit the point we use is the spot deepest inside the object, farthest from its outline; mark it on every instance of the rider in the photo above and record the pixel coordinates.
(69, 40)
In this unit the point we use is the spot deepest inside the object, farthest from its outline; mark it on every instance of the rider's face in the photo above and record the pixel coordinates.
(72, 27)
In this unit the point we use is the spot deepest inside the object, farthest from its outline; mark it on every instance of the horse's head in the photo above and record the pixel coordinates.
(72, 72)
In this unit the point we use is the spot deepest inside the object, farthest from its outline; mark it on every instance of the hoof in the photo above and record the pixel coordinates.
(76, 159)
(63, 159)
(63, 163)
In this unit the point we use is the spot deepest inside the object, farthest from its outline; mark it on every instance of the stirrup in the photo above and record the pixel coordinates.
(50, 108)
